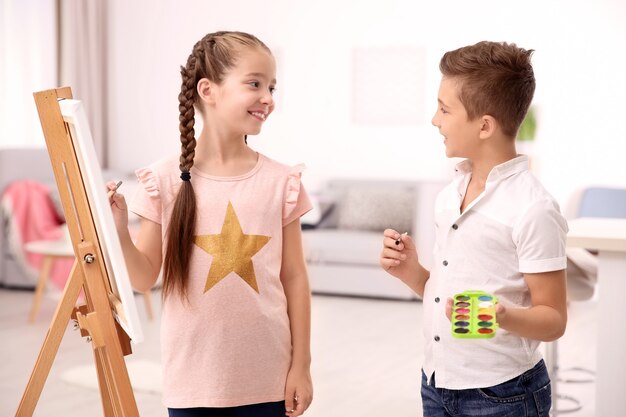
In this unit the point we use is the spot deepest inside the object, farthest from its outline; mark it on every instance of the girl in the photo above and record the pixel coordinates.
(236, 301)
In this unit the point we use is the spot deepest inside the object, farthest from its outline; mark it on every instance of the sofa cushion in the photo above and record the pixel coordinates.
(320, 211)
(377, 208)
(342, 246)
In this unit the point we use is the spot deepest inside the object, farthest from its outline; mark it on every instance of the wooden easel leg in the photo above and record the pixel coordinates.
(97, 317)
(108, 345)
(104, 383)
(112, 389)
(51, 343)
(41, 285)
(115, 374)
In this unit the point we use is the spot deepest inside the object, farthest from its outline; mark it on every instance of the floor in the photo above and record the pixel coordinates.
(366, 358)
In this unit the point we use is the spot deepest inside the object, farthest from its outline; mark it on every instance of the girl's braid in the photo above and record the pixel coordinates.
(186, 109)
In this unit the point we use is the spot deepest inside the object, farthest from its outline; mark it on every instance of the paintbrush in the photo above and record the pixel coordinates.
(399, 239)
(111, 192)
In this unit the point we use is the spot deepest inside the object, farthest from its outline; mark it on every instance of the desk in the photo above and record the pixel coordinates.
(608, 237)
(51, 250)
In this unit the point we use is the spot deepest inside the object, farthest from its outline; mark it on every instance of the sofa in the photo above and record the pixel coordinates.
(342, 237)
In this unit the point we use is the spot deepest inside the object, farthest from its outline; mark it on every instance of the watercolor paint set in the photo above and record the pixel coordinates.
(474, 315)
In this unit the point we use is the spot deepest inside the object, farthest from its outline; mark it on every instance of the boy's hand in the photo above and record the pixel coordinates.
(500, 313)
(449, 302)
(399, 255)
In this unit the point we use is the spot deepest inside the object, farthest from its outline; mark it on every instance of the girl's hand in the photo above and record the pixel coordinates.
(298, 392)
(118, 207)
(400, 259)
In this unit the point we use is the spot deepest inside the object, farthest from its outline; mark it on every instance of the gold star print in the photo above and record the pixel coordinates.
(232, 251)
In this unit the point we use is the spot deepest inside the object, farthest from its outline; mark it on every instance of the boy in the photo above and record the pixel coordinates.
(498, 231)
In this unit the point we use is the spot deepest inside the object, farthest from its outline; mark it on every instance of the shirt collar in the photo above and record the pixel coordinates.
(499, 172)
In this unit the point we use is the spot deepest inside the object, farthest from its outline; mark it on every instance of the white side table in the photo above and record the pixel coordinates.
(51, 250)
(608, 237)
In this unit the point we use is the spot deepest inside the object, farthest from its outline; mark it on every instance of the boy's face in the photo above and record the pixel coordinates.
(460, 135)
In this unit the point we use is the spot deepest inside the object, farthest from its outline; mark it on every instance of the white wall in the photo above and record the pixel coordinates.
(28, 63)
(578, 63)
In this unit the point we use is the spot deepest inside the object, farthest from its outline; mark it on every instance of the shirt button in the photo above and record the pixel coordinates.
(437, 299)
(437, 338)
(455, 226)
(445, 263)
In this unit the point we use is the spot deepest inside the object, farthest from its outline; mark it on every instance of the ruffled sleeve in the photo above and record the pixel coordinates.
(297, 201)
(148, 181)
(147, 199)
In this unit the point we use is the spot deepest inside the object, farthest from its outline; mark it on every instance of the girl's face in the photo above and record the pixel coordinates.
(243, 101)
(460, 135)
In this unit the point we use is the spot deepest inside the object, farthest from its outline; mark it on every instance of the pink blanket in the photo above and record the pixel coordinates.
(32, 216)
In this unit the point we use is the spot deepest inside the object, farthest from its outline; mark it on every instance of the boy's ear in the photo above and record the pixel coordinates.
(206, 91)
(488, 126)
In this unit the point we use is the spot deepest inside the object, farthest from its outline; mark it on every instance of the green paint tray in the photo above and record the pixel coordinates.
(474, 315)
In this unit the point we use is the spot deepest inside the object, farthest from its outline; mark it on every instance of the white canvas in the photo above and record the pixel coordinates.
(74, 115)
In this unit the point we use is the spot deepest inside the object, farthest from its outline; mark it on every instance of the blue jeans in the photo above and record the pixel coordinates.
(524, 396)
(276, 409)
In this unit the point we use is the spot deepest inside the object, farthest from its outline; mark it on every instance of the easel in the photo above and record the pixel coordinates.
(95, 318)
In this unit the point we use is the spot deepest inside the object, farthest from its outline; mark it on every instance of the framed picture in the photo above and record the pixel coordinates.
(76, 118)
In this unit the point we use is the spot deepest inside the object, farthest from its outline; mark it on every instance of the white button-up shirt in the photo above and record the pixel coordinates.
(513, 227)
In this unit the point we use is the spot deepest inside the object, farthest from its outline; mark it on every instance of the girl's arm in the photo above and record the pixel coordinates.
(143, 258)
(294, 278)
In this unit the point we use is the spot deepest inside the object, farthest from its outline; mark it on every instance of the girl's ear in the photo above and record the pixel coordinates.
(488, 126)
(206, 91)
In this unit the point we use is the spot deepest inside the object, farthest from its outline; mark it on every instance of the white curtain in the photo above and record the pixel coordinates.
(84, 63)
(28, 63)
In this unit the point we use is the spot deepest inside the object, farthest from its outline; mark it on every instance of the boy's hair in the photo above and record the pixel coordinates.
(495, 78)
(211, 57)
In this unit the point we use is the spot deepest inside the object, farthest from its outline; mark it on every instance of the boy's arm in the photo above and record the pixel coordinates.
(401, 261)
(547, 318)
(294, 278)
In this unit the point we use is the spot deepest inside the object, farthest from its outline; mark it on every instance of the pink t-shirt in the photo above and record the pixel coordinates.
(230, 344)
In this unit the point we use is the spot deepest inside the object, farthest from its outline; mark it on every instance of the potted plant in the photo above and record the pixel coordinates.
(526, 133)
